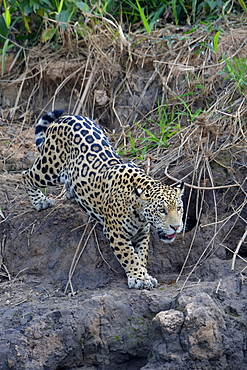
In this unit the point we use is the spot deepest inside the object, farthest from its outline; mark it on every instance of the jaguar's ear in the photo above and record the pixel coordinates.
(140, 193)
(181, 187)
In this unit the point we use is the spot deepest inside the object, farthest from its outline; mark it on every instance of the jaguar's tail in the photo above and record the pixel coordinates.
(42, 126)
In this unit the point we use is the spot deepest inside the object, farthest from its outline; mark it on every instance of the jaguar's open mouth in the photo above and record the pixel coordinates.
(164, 236)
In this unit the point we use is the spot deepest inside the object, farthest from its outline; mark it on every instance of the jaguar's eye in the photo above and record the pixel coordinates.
(164, 211)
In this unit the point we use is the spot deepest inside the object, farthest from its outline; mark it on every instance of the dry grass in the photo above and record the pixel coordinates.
(118, 79)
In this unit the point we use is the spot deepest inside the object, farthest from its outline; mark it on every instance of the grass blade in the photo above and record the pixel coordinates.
(216, 41)
(242, 4)
(5, 46)
(143, 18)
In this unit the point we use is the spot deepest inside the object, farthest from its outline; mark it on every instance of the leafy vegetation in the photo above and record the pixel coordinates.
(157, 132)
(236, 70)
(24, 23)
(28, 22)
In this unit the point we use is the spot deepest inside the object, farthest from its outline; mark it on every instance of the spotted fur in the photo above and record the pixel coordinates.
(118, 194)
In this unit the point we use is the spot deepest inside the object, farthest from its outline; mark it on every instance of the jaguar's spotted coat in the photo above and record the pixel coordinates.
(118, 194)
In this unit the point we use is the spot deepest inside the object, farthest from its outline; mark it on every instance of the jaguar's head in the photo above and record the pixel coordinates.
(162, 207)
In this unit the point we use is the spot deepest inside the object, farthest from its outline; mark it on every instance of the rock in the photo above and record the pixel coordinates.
(194, 336)
(201, 335)
(106, 326)
(106, 329)
(169, 321)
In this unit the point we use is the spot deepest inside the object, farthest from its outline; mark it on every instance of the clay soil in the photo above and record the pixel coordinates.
(64, 301)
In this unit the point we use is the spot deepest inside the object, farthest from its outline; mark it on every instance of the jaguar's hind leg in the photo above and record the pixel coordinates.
(38, 177)
(64, 179)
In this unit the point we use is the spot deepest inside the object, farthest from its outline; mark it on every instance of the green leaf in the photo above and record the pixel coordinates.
(174, 11)
(26, 23)
(49, 4)
(48, 34)
(82, 5)
(242, 3)
(60, 7)
(194, 4)
(64, 17)
(143, 18)
(3, 29)
(216, 41)
(6, 47)
(25, 8)
(152, 136)
(40, 12)
(156, 16)
(6, 15)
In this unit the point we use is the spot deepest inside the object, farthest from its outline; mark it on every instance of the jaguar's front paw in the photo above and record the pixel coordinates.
(43, 203)
(154, 281)
(146, 283)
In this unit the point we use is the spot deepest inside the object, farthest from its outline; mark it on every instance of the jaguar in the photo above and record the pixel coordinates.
(74, 151)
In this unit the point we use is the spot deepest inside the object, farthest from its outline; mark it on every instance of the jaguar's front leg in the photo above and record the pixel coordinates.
(140, 241)
(130, 260)
(37, 198)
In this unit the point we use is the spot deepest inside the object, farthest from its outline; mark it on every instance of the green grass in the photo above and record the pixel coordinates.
(28, 22)
(156, 133)
(236, 70)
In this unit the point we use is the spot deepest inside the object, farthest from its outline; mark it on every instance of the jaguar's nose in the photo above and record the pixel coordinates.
(175, 227)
